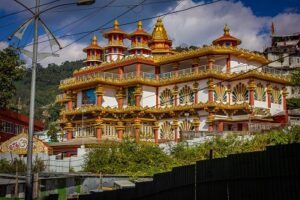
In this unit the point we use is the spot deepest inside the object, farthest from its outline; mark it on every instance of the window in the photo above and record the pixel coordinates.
(138, 51)
(139, 39)
(8, 127)
(227, 43)
(115, 50)
(115, 37)
(88, 96)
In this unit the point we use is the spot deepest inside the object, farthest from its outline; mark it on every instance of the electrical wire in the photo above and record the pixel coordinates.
(24, 10)
(101, 28)
(117, 6)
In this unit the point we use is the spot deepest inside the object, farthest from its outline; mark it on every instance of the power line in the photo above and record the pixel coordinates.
(18, 12)
(116, 6)
(125, 12)
(81, 19)
(101, 28)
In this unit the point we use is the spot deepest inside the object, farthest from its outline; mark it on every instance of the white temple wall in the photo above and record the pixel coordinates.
(240, 64)
(148, 96)
(79, 99)
(203, 92)
(109, 98)
(221, 62)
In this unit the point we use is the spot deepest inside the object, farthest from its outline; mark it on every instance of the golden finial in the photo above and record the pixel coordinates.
(226, 29)
(140, 25)
(94, 40)
(159, 32)
(116, 24)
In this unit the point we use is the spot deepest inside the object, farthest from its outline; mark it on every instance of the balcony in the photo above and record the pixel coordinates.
(139, 45)
(116, 43)
(204, 70)
(93, 58)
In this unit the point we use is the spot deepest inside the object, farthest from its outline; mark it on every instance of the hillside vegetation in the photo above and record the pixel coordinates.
(47, 81)
(129, 158)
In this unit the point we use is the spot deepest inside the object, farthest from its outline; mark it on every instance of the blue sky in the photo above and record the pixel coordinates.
(250, 20)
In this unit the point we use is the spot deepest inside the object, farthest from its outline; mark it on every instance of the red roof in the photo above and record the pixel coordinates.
(18, 118)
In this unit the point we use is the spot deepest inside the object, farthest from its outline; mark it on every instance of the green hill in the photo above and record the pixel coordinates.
(47, 81)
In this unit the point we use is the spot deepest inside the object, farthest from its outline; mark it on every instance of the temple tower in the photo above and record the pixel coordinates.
(227, 39)
(160, 43)
(139, 41)
(94, 53)
(115, 48)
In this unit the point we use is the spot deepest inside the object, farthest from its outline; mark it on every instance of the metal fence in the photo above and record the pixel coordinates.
(271, 174)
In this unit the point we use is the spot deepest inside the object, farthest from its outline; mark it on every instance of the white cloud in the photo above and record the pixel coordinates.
(204, 24)
(70, 53)
(3, 45)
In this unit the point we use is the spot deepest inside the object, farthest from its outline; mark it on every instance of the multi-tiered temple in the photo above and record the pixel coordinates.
(149, 92)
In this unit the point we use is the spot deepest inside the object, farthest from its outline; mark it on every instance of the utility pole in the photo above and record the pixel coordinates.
(29, 189)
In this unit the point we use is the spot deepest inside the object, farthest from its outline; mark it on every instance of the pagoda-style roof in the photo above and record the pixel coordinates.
(93, 45)
(115, 30)
(139, 31)
(227, 38)
(159, 33)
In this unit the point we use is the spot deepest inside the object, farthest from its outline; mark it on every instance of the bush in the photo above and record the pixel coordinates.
(129, 158)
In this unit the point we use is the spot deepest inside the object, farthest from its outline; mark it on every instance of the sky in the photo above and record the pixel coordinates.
(249, 20)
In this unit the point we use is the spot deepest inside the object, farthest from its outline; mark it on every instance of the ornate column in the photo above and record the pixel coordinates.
(196, 90)
(229, 93)
(99, 127)
(137, 125)
(251, 88)
(210, 121)
(284, 95)
(228, 67)
(269, 93)
(211, 62)
(120, 129)
(196, 123)
(195, 65)
(138, 70)
(157, 72)
(69, 98)
(175, 95)
(175, 128)
(121, 72)
(99, 93)
(120, 95)
(211, 87)
(69, 129)
(138, 95)
(155, 131)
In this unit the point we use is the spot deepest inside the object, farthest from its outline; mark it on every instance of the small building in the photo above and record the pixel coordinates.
(13, 123)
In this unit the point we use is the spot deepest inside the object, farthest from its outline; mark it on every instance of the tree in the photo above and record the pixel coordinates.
(52, 132)
(296, 77)
(11, 70)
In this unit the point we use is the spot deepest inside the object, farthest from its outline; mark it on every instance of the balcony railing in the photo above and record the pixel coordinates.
(60, 97)
(139, 44)
(168, 75)
(93, 57)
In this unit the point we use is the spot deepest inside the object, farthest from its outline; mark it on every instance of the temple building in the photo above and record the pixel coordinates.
(152, 93)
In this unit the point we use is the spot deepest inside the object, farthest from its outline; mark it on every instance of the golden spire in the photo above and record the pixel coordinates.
(226, 30)
(140, 25)
(116, 24)
(159, 32)
(94, 40)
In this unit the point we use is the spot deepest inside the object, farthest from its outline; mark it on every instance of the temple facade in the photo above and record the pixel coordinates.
(151, 93)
